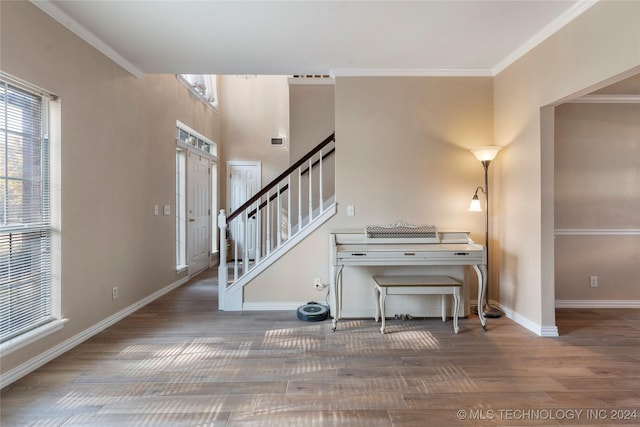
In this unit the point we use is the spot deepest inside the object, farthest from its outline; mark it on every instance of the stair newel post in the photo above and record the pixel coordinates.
(222, 266)
(320, 198)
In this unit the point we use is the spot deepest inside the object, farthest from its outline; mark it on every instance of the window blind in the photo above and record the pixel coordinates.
(25, 225)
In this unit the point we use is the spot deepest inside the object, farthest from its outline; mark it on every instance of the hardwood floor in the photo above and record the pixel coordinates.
(180, 362)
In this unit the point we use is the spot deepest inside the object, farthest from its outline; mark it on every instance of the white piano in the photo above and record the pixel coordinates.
(402, 244)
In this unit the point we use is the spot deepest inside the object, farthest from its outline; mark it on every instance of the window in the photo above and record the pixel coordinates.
(26, 300)
(204, 86)
(181, 209)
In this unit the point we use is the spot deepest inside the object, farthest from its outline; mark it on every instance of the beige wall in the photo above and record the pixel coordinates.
(311, 115)
(410, 136)
(118, 161)
(597, 201)
(253, 111)
(311, 121)
(403, 146)
(403, 154)
(601, 44)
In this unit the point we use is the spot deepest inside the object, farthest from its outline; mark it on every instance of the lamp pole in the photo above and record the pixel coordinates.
(487, 310)
(485, 155)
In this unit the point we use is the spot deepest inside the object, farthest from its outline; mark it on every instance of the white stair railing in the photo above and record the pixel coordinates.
(263, 225)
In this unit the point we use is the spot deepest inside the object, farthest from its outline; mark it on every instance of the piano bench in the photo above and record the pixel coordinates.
(417, 285)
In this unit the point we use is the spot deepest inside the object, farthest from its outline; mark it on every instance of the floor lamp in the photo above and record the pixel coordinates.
(485, 155)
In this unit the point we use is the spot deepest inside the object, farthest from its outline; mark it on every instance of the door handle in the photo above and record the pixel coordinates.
(192, 220)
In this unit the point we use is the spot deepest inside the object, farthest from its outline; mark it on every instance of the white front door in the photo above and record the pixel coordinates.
(244, 182)
(198, 212)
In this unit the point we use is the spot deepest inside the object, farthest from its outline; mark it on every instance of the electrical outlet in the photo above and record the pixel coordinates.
(317, 283)
(593, 281)
(114, 293)
(351, 211)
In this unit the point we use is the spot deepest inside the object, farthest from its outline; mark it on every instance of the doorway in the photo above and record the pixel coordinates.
(196, 200)
(198, 212)
(244, 182)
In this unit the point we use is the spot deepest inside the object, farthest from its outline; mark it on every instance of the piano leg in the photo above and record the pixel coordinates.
(456, 308)
(482, 288)
(382, 301)
(336, 290)
(376, 295)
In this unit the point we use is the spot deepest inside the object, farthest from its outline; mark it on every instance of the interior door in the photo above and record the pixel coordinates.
(244, 182)
(198, 212)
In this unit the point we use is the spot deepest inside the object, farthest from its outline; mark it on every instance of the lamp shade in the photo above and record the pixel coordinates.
(475, 204)
(486, 153)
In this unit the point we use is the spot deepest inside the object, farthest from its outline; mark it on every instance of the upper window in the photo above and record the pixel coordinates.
(204, 86)
(195, 140)
(25, 221)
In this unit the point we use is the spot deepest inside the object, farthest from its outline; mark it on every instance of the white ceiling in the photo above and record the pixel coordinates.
(446, 37)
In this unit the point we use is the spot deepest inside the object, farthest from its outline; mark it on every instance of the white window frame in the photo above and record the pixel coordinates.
(49, 227)
(181, 209)
(203, 86)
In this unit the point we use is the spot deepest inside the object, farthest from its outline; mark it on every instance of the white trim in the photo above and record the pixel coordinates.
(81, 31)
(597, 303)
(558, 23)
(540, 330)
(581, 6)
(597, 232)
(187, 146)
(606, 99)
(193, 132)
(549, 331)
(27, 338)
(31, 365)
(410, 72)
(26, 86)
(190, 148)
(272, 306)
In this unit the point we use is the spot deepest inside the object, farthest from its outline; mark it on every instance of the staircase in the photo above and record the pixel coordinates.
(274, 220)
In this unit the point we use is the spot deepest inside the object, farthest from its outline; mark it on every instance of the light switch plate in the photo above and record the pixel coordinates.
(166, 209)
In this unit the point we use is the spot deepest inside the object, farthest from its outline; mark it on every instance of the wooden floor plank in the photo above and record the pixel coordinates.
(180, 362)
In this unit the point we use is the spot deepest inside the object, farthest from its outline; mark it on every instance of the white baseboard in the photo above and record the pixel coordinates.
(540, 330)
(32, 364)
(552, 330)
(272, 306)
(609, 303)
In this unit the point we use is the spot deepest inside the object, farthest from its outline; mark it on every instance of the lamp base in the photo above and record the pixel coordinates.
(490, 312)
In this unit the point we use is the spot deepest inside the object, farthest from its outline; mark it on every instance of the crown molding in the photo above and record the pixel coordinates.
(581, 6)
(543, 34)
(75, 27)
(606, 99)
(404, 72)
